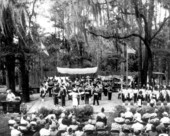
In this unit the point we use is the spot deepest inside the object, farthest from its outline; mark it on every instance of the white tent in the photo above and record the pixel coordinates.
(76, 71)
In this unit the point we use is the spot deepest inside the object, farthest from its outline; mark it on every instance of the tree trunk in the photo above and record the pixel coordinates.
(148, 65)
(3, 76)
(24, 79)
(10, 72)
(140, 63)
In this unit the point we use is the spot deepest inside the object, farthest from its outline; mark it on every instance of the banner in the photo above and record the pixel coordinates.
(74, 71)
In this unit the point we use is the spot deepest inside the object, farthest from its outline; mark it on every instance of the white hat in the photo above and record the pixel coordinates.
(119, 120)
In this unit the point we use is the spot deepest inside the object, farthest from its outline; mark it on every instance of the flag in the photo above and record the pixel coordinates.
(130, 50)
(43, 49)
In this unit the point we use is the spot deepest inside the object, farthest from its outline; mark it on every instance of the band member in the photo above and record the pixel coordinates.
(55, 92)
(42, 91)
(50, 86)
(100, 90)
(95, 94)
(105, 88)
(87, 94)
(62, 94)
(135, 93)
(109, 90)
(140, 98)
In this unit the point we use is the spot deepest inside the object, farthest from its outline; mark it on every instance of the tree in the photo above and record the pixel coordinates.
(137, 10)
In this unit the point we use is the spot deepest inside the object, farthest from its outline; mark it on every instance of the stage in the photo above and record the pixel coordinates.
(36, 103)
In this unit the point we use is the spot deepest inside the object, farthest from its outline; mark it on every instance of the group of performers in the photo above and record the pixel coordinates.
(87, 89)
(149, 94)
(79, 89)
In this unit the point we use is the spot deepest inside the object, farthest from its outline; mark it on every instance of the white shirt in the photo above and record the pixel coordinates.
(165, 120)
(137, 116)
(135, 91)
(44, 132)
(137, 126)
(15, 132)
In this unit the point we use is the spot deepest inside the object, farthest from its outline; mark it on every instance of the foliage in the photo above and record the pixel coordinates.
(118, 110)
(82, 113)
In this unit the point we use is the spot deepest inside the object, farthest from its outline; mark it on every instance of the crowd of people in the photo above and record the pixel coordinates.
(148, 124)
(148, 94)
(126, 124)
(79, 89)
(50, 125)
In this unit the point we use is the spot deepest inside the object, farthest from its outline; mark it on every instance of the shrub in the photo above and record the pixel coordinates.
(147, 109)
(82, 113)
(118, 110)
(144, 103)
(133, 110)
(126, 103)
(57, 112)
(132, 103)
(158, 103)
(44, 111)
(165, 103)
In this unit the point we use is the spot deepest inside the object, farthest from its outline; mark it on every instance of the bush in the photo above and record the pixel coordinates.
(133, 110)
(147, 109)
(144, 103)
(82, 113)
(57, 113)
(118, 110)
(158, 103)
(44, 111)
(132, 103)
(165, 103)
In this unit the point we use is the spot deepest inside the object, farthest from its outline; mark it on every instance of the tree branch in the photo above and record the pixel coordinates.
(116, 36)
(160, 28)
